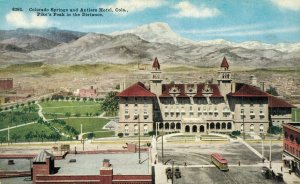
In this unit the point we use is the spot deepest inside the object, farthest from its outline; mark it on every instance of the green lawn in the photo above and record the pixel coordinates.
(101, 134)
(88, 124)
(18, 116)
(62, 107)
(295, 112)
(36, 129)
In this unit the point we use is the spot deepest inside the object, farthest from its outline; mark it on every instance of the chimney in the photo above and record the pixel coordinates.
(262, 86)
(253, 80)
(106, 163)
(233, 87)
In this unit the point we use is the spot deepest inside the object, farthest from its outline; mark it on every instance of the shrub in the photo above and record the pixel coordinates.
(274, 130)
(236, 133)
(120, 135)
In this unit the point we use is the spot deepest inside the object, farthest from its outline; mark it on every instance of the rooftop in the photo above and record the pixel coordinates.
(90, 164)
(136, 90)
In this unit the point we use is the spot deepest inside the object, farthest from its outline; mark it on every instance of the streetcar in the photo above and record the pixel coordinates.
(219, 161)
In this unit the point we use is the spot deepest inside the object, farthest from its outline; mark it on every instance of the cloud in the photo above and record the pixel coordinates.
(186, 9)
(261, 32)
(134, 5)
(287, 4)
(243, 30)
(222, 29)
(21, 20)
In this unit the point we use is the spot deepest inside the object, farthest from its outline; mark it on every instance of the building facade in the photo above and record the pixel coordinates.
(291, 146)
(198, 107)
(6, 84)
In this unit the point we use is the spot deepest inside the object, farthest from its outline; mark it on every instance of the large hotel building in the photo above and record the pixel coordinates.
(199, 107)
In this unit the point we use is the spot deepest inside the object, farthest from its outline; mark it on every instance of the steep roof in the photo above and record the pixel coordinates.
(248, 91)
(156, 64)
(275, 102)
(224, 63)
(136, 90)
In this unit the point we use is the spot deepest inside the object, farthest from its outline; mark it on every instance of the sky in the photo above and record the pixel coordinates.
(269, 21)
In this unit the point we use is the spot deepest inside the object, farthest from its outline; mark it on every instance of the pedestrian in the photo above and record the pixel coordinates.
(184, 163)
(281, 168)
(239, 163)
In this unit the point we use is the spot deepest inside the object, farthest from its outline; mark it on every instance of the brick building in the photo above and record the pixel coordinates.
(87, 168)
(224, 106)
(89, 93)
(291, 146)
(6, 84)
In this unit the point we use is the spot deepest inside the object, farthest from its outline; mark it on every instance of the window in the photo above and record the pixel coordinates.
(191, 108)
(126, 128)
(191, 114)
(183, 114)
(166, 114)
(136, 129)
(145, 129)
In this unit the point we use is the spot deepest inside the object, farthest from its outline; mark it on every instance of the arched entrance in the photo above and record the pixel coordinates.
(194, 128)
(161, 125)
(229, 126)
(167, 126)
(178, 126)
(261, 128)
(201, 128)
(187, 128)
(172, 126)
(218, 126)
(223, 126)
(212, 126)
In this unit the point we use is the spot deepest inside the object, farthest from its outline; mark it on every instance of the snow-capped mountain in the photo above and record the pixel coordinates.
(156, 32)
(162, 33)
(141, 45)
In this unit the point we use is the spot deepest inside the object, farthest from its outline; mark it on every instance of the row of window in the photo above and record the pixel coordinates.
(136, 128)
(292, 138)
(292, 150)
(192, 115)
(261, 128)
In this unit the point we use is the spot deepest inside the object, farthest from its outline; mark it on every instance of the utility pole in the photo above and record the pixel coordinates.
(173, 172)
(270, 153)
(81, 129)
(139, 139)
(8, 134)
(162, 146)
(262, 149)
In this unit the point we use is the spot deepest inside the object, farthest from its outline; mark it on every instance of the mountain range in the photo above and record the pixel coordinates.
(142, 44)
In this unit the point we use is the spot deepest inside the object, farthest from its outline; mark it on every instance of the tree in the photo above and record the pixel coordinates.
(272, 90)
(84, 99)
(67, 98)
(42, 135)
(15, 137)
(42, 100)
(110, 102)
(11, 107)
(2, 139)
(78, 99)
(274, 130)
(67, 114)
(29, 136)
(91, 135)
(77, 114)
(17, 106)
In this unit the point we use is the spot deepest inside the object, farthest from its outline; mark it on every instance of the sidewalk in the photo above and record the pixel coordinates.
(287, 178)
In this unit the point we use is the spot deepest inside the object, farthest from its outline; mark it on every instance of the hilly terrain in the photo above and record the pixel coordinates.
(142, 44)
